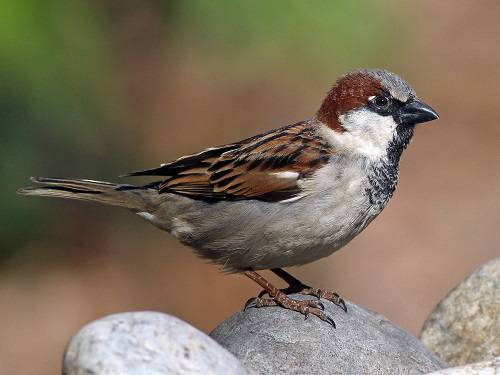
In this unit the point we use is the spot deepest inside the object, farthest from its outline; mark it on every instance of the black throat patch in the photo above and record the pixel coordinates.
(383, 177)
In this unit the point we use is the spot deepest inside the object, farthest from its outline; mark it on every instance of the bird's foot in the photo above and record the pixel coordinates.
(305, 307)
(315, 292)
(326, 294)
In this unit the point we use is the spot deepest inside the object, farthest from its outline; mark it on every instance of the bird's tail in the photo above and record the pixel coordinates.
(128, 196)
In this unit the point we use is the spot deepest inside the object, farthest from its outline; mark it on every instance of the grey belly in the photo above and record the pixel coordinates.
(243, 235)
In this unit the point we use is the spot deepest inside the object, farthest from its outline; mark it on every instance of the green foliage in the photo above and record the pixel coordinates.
(299, 34)
(52, 68)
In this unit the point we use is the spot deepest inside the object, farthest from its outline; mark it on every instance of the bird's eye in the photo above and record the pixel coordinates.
(381, 101)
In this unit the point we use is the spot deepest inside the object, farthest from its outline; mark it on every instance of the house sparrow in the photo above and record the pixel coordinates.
(283, 198)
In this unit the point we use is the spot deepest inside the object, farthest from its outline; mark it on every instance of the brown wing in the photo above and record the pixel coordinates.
(265, 167)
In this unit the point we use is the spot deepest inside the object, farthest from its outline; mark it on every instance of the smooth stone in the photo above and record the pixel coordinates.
(140, 343)
(481, 368)
(465, 325)
(273, 340)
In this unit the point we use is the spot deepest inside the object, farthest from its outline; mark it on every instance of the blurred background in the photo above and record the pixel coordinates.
(95, 89)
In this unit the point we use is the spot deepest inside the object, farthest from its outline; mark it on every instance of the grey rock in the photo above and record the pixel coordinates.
(273, 340)
(481, 368)
(465, 326)
(140, 343)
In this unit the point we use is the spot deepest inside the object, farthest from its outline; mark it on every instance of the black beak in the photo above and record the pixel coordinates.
(416, 112)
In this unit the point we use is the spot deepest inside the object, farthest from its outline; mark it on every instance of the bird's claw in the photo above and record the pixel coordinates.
(325, 294)
(320, 305)
(250, 303)
(306, 307)
(331, 322)
(341, 304)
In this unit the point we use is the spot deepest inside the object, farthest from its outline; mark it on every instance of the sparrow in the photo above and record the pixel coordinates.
(283, 198)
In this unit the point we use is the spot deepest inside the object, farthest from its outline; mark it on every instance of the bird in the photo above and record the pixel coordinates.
(283, 198)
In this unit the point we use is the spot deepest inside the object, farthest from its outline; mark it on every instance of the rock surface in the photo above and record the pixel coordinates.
(465, 326)
(273, 340)
(146, 343)
(480, 368)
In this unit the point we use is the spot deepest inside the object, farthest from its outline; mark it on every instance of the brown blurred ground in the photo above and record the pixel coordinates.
(442, 223)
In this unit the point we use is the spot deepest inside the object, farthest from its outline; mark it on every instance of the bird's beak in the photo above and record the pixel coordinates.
(416, 112)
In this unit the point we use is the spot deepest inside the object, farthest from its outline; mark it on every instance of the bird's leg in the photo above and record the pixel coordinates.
(278, 298)
(296, 286)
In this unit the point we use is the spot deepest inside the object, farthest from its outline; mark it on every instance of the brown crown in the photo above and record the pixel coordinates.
(350, 92)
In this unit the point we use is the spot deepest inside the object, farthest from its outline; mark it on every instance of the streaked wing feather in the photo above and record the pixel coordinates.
(250, 169)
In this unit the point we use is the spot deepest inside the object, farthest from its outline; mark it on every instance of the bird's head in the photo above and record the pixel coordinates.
(368, 111)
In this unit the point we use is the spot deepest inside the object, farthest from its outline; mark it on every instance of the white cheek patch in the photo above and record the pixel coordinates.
(367, 133)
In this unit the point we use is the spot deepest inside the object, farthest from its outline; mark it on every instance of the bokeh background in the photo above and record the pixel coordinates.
(98, 88)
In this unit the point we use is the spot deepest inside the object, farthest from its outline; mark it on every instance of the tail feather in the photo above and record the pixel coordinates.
(128, 196)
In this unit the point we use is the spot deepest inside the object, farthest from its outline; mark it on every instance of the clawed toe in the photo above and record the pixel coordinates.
(305, 307)
(336, 300)
(250, 303)
(312, 304)
(318, 304)
(331, 322)
(259, 302)
(341, 304)
(319, 294)
(279, 297)
(320, 314)
(325, 294)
